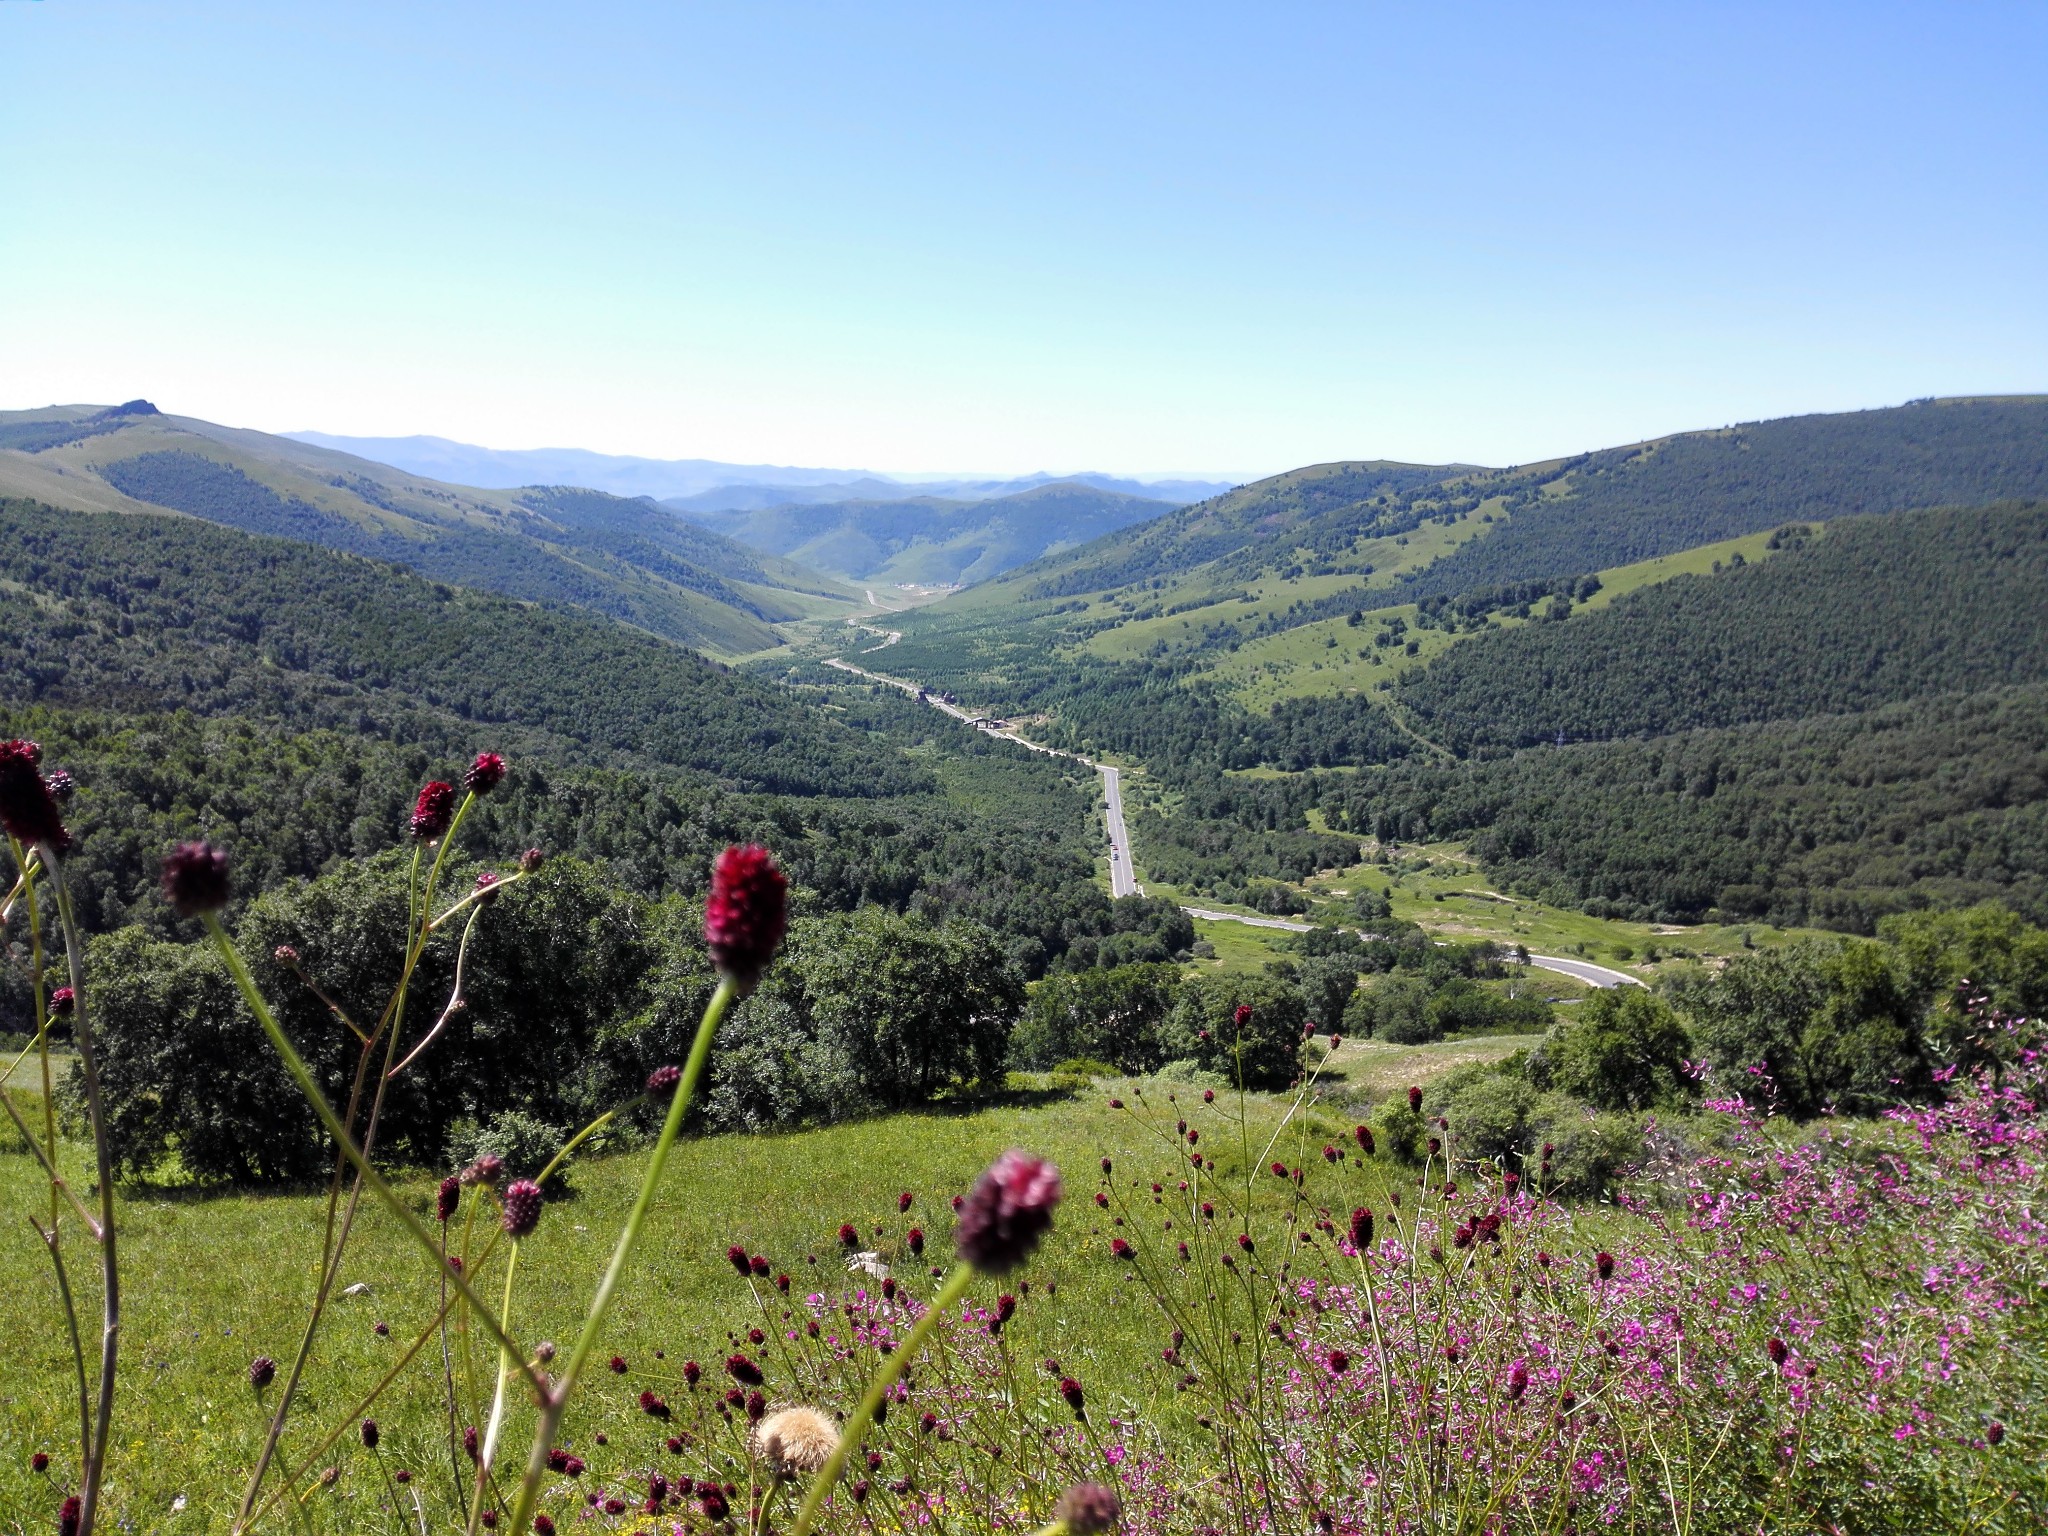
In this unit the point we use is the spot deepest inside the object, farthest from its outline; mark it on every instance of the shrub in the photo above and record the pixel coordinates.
(1396, 1009)
(525, 1143)
(1490, 1119)
(1590, 1147)
(1623, 1049)
(1262, 1053)
(1111, 1015)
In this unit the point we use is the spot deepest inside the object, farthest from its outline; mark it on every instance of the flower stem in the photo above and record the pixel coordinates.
(554, 1402)
(896, 1363)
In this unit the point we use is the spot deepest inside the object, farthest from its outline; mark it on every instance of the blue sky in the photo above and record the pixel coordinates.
(1138, 238)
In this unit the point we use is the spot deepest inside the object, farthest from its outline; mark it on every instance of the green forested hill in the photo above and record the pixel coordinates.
(1880, 609)
(1832, 821)
(157, 613)
(1628, 504)
(627, 558)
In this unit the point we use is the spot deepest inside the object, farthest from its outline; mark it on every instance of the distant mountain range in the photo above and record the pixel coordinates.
(932, 540)
(706, 484)
(627, 558)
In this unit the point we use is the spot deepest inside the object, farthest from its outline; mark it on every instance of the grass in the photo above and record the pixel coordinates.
(213, 1281)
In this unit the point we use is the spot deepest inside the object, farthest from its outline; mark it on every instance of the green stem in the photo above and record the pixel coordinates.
(505, 1365)
(303, 1076)
(556, 1401)
(893, 1367)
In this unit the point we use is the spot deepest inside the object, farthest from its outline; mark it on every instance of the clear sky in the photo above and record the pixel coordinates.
(975, 236)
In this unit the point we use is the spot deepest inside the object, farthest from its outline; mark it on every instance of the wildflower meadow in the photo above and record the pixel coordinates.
(1172, 1306)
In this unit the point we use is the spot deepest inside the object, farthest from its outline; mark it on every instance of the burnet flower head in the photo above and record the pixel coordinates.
(1007, 1212)
(28, 807)
(746, 914)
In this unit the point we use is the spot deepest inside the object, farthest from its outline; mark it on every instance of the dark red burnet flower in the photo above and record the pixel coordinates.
(663, 1080)
(903, 1202)
(447, 1198)
(736, 1256)
(618, 1365)
(486, 888)
(370, 1434)
(1603, 1265)
(1361, 1229)
(485, 774)
(522, 1208)
(849, 1236)
(1994, 1432)
(470, 1445)
(1088, 1509)
(1779, 1354)
(914, 1241)
(262, 1371)
(1120, 1249)
(1241, 1015)
(543, 1525)
(531, 860)
(195, 879)
(63, 1001)
(69, 1515)
(692, 1372)
(746, 914)
(28, 809)
(1070, 1389)
(1338, 1361)
(433, 811)
(40, 1462)
(1518, 1381)
(1362, 1134)
(653, 1406)
(743, 1370)
(1007, 1212)
(1415, 1099)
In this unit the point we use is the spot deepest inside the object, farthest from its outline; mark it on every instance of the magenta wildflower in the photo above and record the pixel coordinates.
(27, 808)
(433, 811)
(195, 879)
(1088, 1509)
(1518, 1381)
(485, 774)
(522, 1208)
(746, 914)
(1007, 1212)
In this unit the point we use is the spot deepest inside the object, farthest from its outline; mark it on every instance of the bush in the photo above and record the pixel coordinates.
(1624, 1049)
(1263, 1053)
(1490, 1119)
(525, 1143)
(1400, 1128)
(1395, 1008)
(1834, 1024)
(1111, 1015)
(1588, 1147)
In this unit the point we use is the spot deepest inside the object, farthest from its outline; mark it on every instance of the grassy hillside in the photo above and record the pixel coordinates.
(932, 540)
(628, 559)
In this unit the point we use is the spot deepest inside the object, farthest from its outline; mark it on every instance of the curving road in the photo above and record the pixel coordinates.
(1593, 975)
(1123, 879)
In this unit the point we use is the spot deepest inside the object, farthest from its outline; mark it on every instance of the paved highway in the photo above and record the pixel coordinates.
(1597, 975)
(1123, 879)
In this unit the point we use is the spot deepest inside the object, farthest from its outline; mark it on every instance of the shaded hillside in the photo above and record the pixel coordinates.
(1832, 821)
(1878, 610)
(158, 613)
(625, 558)
(931, 540)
